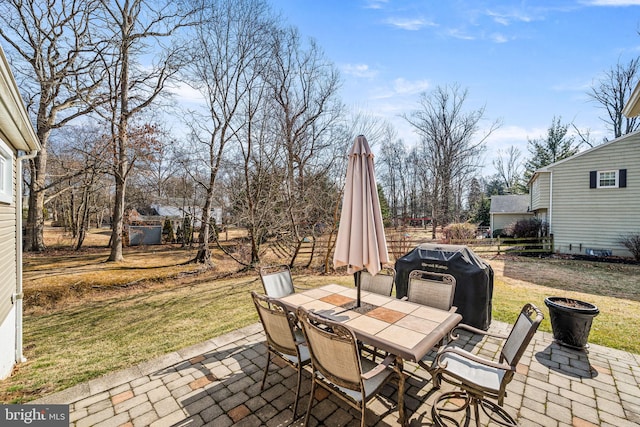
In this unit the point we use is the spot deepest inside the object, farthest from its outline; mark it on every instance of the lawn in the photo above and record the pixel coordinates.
(85, 317)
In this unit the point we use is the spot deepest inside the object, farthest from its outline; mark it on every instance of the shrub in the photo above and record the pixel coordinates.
(167, 231)
(460, 231)
(632, 242)
(501, 232)
(532, 227)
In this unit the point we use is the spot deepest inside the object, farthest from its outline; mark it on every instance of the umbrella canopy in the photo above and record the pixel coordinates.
(361, 242)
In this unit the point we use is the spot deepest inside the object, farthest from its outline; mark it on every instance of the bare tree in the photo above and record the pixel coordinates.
(130, 29)
(509, 168)
(613, 91)
(80, 192)
(304, 86)
(451, 148)
(52, 40)
(227, 54)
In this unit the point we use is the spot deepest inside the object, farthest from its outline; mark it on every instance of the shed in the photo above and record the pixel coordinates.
(508, 209)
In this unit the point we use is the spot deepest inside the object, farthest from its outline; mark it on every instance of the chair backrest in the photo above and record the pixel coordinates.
(432, 289)
(381, 283)
(333, 349)
(523, 330)
(277, 322)
(277, 281)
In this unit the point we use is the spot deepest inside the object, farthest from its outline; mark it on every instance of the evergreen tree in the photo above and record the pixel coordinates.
(555, 147)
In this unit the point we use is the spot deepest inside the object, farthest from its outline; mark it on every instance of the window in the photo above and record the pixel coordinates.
(608, 179)
(6, 174)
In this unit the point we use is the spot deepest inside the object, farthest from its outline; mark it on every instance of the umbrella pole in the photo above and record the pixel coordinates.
(357, 278)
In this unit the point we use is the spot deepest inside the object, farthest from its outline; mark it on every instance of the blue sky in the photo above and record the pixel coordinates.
(524, 61)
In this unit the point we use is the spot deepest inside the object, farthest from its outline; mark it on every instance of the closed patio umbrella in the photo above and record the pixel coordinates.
(361, 242)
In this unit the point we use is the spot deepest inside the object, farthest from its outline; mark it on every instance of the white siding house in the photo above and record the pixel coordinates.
(591, 199)
(16, 137)
(508, 209)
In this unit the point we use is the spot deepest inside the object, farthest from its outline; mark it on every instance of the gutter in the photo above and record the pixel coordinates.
(551, 206)
(17, 297)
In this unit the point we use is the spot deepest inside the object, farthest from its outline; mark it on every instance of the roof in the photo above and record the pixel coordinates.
(632, 107)
(510, 203)
(550, 167)
(15, 126)
(176, 212)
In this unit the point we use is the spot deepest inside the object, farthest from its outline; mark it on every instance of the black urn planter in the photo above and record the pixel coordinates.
(571, 320)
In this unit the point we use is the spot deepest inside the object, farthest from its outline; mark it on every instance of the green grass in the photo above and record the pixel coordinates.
(615, 326)
(79, 341)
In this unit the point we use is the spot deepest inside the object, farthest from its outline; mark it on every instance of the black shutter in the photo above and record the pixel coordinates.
(593, 178)
(622, 178)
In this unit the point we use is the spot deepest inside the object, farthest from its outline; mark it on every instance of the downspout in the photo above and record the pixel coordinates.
(17, 297)
(551, 208)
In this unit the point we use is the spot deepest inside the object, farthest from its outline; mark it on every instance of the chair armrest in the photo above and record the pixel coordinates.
(469, 356)
(379, 368)
(478, 331)
(453, 309)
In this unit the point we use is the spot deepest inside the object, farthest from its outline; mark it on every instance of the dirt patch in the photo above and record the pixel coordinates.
(593, 277)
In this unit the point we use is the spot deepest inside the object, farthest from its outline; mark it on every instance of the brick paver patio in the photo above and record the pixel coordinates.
(217, 383)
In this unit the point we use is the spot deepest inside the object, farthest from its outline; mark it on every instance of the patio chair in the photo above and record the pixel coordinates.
(432, 289)
(338, 367)
(276, 280)
(283, 339)
(381, 283)
(480, 379)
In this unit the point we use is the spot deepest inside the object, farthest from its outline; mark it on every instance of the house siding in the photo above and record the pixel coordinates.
(8, 269)
(596, 218)
(16, 134)
(540, 191)
(501, 221)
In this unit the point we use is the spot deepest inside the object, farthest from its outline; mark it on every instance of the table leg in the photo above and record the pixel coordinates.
(402, 417)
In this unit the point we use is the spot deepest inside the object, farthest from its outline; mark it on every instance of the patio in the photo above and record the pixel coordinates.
(217, 383)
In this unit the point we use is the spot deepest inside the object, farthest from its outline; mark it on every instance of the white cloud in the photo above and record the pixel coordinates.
(402, 86)
(459, 34)
(499, 38)
(614, 3)
(573, 86)
(508, 18)
(359, 70)
(185, 93)
(375, 4)
(410, 24)
(513, 135)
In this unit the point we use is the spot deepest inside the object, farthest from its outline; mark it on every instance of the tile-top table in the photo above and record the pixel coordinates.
(402, 328)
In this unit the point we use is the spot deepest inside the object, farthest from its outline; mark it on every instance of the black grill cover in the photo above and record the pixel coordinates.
(474, 278)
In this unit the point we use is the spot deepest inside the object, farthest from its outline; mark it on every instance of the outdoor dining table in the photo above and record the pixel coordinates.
(402, 328)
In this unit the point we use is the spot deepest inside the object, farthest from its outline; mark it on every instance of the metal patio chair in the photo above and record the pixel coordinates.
(480, 379)
(283, 339)
(432, 289)
(338, 367)
(276, 280)
(381, 283)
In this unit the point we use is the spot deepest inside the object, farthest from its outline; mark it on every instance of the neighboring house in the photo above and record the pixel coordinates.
(591, 199)
(145, 225)
(508, 209)
(16, 137)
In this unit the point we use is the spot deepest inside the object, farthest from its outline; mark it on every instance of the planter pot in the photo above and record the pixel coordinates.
(571, 320)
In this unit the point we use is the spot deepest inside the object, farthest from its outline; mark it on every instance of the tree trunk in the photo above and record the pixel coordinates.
(118, 220)
(204, 253)
(35, 216)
